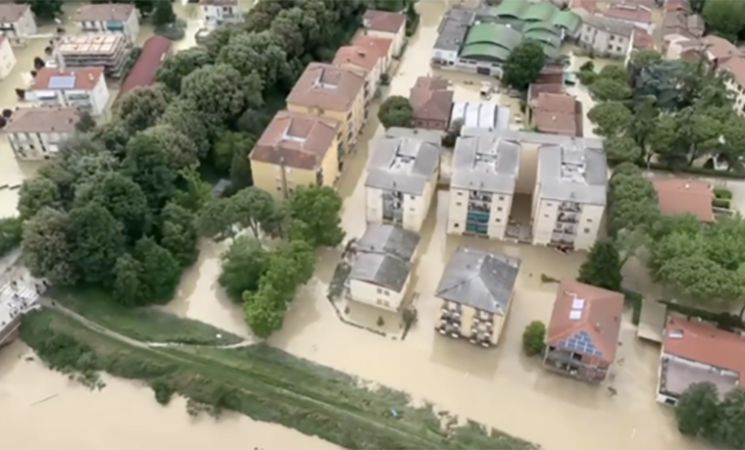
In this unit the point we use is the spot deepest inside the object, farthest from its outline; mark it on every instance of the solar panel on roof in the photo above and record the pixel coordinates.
(61, 82)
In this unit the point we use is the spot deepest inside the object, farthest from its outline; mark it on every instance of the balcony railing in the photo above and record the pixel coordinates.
(476, 228)
(570, 207)
(568, 217)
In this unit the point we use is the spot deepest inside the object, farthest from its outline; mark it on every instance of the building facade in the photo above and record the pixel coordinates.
(295, 150)
(482, 186)
(7, 57)
(381, 268)
(110, 51)
(84, 89)
(570, 195)
(218, 12)
(332, 92)
(475, 294)
(17, 22)
(386, 24)
(110, 18)
(38, 133)
(366, 60)
(401, 179)
(606, 37)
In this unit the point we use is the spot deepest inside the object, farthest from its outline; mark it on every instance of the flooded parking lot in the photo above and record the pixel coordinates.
(498, 387)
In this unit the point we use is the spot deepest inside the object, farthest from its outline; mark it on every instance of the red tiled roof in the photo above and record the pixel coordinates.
(143, 72)
(86, 78)
(555, 113)
(327, 87)
(104, 11)
(642, 39)
(297, 140)
(629, 12)
(383, 45)
(703, 342)
(680, 196)
(364, 57)
(430, 99)
(43, 120)
(386, 21)
(599, 317)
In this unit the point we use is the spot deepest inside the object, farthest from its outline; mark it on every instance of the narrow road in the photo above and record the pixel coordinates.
(48, 303)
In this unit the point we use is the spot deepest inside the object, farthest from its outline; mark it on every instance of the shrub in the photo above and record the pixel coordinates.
(700, 171)
(720, 203)
(634, 299)
(533, 338)
(163, 392)
(723, 193)
(548, 279)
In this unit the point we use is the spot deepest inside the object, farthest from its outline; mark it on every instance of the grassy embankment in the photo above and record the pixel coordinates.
(142, 324)
(263, 383)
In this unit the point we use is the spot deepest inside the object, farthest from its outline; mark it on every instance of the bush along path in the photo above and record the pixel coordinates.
(261, 382)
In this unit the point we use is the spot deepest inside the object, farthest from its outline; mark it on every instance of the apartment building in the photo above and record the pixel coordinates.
(83, 89)
(475, 295)
(606, 37)
(7, 57)
(386, 24)
(381, 269)
(296, 150)
(369, 61)
(114, 18)
(17, 22)
(110, 51)
(482, 185)
(38, 133)
(570, 194)
(332, 92)
(218, 12)
(582, 335)
(379, 45)
(698, 352)
(634, 14)
(401, 179)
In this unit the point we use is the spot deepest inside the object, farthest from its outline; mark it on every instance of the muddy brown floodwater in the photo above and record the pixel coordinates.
(497, 387)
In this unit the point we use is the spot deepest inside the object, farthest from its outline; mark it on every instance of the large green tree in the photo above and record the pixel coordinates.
(126, 289)
(523, 65)
(603, 267)
(160, 271)
(725, 18)
(728, 430)
(610, 118)
(620, 149)
(184, 117)
(141, 107)
(150, 167)
(254, 209)
(396, 111)
(317, 208)
(46, 10)
(263, 314)
(36, 194)
(180, 65)
(179, 233)
(96, 240)
(46, 248)
(696, 411)
(242, 267)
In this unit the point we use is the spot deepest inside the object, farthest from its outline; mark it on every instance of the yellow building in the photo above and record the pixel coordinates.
(475, 294)
(335, 93)
(296, 150)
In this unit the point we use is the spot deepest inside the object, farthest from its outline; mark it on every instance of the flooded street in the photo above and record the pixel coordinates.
(498, 387)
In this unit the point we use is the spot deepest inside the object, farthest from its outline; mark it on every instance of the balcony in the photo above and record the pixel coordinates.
(565, 229)
(450, 314)
(477, 217)
(476, 228)
(480, 339)
(480, 196)
(568, 217)
(570, 207)
(448, 329)
(479, 206)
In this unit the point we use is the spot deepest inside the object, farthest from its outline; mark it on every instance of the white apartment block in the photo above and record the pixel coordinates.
(570, 194)
(606, 37)
(110, 18)
(482, 185)
(37, 133)
(218, 12)
(7, 57)
(17, 22)
(382, 260)
(402, 177)
(84, 89)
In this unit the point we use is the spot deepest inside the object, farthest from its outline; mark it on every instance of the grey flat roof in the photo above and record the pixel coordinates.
(402, 164)
(533, 138)
(486, 115)
(453, 28)
(485, 163)
(384, 255)
(573, 173)
(479, 279)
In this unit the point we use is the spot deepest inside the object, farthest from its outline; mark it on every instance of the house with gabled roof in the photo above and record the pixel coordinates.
(475, 294)
(582, 335)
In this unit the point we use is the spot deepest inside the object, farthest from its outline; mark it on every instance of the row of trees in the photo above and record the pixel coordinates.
(703, 413)
(265, 281)
(672, 112)
(119, 207)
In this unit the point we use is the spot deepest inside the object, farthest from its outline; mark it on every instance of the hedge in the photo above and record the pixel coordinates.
(722, 193)
(720, 203)
(697, 171)
(634, 299)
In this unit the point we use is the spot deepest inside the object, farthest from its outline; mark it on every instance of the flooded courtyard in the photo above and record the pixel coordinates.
(499, 387)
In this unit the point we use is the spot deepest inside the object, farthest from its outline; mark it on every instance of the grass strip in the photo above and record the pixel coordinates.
(261, 382)
(146, 324)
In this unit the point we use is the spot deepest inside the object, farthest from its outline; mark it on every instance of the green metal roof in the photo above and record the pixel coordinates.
(496, 34)
(543, 36)
(543, 12)
(541, 26)
(485, 51)
(568, 20)
(512, 8)
(551, 51)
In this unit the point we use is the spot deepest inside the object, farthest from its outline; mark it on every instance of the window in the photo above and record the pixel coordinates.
(498, 220)
(456, 225)
(501, 198)
(412, 197)
(380, 291)
(411, 209)
(460, 193)
(387, 293)
(499, 208)
(548, 204)
(611, 37)
(458, 204)
(589, 220)
(545, 216)
(587, 231)
(279, 188)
